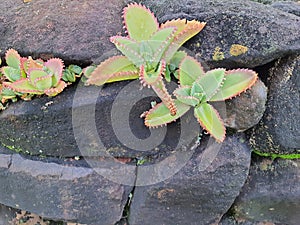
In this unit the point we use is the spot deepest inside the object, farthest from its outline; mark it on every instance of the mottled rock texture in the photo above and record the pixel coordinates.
(200, 193)
(60, 192)
(279, 130)
(271, 192)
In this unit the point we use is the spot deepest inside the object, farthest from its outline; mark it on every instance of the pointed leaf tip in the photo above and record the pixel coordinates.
(185, 31)
(235, 82)
(13, 59)
(113, 69)
(139, 21)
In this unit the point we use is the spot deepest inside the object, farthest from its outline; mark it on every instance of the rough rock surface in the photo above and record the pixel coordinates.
(63, 126)
(279, 130)
(76, 31)
(200, 193)
(6, 214)
(271, 192)
(289, 6)
(272, 1)
(229, 220)
(268, 33)
(61, 192)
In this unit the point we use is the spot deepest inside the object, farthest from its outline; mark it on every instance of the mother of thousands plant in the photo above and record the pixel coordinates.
(197, 89)
(25, 77)
(150, 52)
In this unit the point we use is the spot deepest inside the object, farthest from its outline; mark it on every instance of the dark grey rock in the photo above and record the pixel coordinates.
(62, 192)
(289, 6)
(246, 110)
(268, 33)
(230, 220)
(68, 125)
(279, 130)
(72, 30)
(272, 1)
(80, 32)
(200, 193)
(271, 193)
(7, 214)
(122, 222)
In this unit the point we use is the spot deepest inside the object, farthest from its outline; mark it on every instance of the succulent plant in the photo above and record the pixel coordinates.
(71, 73)
(197, 89)
(25, 77)
(150, 51)
(29, 76)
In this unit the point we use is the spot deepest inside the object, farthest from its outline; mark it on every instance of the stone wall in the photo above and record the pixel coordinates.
(64, 161)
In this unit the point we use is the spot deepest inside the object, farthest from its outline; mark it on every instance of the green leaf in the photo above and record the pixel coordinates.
(75, 69)
(160, 114)
(185, 31)
(183, 94)
(68, 76)
(168, 74)
(140, 22)
(197, 92)
(35, 74)
(176, 74)
(29, 64)
(87, 71)
(113, 69)
(8, 93)
(23, 86)
(56, 90)
(210, 120)
(236, 82)
(43, 83)
(160, 41)
(176, 60)
(130, 48)
(12, 74)
(189, 71)
(146, 52)
(211, 82)
(151, 77)
(13, 59)
(55, 66)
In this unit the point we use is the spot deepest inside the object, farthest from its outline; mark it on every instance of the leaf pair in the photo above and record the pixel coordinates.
(198, 88)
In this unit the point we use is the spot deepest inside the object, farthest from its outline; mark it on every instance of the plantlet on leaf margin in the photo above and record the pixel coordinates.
(149, 51)
(197, 89)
